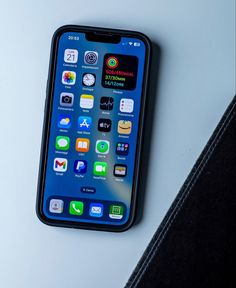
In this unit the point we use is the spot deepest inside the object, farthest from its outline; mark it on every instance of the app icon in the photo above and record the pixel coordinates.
(66, 99)
(122, 148)
(80, 166)
(96, 210)
(124, 127)
(71, 56)
(82, 145)
(106, 103)
(56, 206)
(62, 143)
(126, 105)
(64, 121)
(60, 164)
(100, 168)
(116, 212)
(76, 208)
(104, 125)
(102, 146)
(120, 170)
(68, 77)
(84, 123)
(86, 101)
(89, 79)
(91, 57)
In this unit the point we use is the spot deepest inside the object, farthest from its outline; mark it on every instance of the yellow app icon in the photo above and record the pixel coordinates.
(86, 101)
(124, 127)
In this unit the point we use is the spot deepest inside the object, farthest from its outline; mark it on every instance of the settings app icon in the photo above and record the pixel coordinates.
(91, 57)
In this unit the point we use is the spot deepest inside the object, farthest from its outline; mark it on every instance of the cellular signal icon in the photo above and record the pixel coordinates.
(130, 43)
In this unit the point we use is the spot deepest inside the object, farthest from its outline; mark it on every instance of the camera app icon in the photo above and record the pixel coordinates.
(66, 99)
(91, 57)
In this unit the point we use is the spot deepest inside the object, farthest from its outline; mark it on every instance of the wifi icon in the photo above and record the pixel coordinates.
(130, 43)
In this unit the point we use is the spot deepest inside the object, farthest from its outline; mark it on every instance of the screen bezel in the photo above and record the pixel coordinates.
(47, 122)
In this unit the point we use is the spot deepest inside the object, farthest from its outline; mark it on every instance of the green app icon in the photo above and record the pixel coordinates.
(116, 212)
(102, 146)
(76, 208)
(62, 143)
(100, 168)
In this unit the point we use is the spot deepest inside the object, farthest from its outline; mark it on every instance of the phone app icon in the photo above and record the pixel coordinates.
(84, 123)
(66, 99)
(100, 168)
(91, 57)
(116, 212)
(71, 56)
(122, 148)
(82, 145)
(76, 208)
(68, 77)
(86, 101)
(126, 105)
(104, 125)
(120, 170)
(62, 143)
(64, 121)
(60, 164)
(96, 210)
(102, 146)
(89, 79)
(56, 206)
(124, 127)
(80, 166)
(106, 103)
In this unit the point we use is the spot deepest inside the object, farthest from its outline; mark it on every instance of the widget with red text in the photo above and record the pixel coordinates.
(119, 71)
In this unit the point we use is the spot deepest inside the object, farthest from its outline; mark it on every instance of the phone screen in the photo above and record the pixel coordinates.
(93, 130)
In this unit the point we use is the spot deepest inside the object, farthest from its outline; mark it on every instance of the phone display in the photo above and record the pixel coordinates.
(92, 131)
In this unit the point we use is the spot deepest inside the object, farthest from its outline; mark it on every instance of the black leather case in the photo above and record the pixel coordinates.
(195, 246)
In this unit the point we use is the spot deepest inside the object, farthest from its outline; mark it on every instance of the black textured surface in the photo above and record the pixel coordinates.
(195, 246)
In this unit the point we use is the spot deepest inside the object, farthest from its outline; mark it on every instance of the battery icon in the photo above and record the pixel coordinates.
(137, 44)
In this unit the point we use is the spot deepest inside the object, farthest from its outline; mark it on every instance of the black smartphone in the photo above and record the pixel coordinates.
(93, 128)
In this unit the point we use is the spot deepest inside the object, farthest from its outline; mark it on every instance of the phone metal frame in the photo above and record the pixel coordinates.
(47, 122)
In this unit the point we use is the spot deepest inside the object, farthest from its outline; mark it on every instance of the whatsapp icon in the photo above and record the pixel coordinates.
(102, 146)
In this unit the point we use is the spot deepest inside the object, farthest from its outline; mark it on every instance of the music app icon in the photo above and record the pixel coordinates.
(106, 103)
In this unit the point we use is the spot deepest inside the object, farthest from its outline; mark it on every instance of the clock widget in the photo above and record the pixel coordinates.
(89, 79)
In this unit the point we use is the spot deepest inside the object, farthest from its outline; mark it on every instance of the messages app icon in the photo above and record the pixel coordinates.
(62, 143)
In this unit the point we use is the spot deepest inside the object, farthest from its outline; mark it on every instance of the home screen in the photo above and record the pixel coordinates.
(93, 130)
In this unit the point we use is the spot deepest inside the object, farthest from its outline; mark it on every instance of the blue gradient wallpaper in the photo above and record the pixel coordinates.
(95, 113)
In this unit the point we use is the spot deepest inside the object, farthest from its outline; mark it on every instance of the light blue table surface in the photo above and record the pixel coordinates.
(196, 83)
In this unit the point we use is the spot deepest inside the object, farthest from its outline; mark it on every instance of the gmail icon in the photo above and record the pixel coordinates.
(60, 164)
